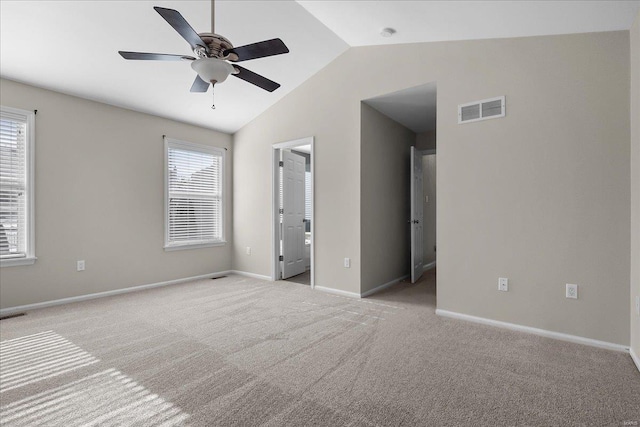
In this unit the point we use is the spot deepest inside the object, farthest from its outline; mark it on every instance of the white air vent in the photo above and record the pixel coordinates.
(481, 110)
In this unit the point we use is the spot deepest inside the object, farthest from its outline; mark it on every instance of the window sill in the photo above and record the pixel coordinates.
(12, 262)
(194, 246)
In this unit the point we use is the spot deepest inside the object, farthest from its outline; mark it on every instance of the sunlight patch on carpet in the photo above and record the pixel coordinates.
(105, 398)
(36, 357)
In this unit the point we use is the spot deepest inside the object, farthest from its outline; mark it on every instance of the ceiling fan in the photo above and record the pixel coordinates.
(213, 53)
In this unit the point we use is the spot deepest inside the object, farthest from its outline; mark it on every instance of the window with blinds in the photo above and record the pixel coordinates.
(194, 206)
(16, 187)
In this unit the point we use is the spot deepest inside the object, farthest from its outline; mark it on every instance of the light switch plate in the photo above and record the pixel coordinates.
(503, 284)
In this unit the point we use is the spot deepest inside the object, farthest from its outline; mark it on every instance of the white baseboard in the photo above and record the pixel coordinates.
(252, 275)
(635, 358)
(27, 307)
(535, 331)
(429, 266)
(383, 286)
(337, 292)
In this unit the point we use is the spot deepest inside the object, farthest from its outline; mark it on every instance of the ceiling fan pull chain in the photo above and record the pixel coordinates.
(213, 97)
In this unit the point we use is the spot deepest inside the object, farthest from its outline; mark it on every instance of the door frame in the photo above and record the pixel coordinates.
(275, 206)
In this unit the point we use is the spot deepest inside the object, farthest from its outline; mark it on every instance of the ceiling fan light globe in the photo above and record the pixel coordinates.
(212, 69)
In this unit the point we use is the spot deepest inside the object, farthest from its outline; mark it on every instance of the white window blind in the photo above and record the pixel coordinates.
(194, 194)
(16, 232)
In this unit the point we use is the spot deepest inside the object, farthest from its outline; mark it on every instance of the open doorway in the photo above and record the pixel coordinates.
(415, 109)
(293, 211)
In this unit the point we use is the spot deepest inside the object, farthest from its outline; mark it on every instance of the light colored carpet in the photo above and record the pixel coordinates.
(244, 352)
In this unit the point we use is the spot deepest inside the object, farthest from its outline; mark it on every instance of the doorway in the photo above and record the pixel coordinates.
(400, 246)
(292, 207)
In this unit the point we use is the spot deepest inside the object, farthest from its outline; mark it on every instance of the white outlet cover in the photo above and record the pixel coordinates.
(572, 291)
(248, 250)
(80, 265)
(503, 284)
(347, 263)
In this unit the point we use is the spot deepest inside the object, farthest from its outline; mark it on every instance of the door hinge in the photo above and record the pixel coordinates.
(281, 258)
(281, 164)
(280, 211)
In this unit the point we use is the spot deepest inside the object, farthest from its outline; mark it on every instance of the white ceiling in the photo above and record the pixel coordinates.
(414, 108)
(71, 46)
(359, 22)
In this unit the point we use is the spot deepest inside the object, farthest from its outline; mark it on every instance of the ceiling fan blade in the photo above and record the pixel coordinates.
(258, 50)
(181, 25)
(199, 85)
(256, 79)
(154, 56)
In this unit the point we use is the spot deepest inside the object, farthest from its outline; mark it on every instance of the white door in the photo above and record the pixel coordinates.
(293, 255)
(417, 216)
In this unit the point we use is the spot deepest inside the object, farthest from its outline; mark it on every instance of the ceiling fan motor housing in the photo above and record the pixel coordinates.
(217, 45)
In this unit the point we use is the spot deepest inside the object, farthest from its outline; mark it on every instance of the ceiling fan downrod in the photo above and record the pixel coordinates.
(213, 16)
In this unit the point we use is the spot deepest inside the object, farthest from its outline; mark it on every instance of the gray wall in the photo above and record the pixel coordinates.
(100, 197)
(540, 196)
(429, 189)
(336, 128)
(426, 140)
(384, 198)
(635, 183)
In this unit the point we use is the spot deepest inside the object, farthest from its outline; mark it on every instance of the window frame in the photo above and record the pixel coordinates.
(29, 118)
(190, 146)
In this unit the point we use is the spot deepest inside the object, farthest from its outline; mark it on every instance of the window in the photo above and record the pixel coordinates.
(16, 187)
(194, 206)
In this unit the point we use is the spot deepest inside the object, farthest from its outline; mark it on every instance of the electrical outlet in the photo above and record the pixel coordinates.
(248, 250)
(572, 291)
(503, 284)
(80, 265)
(347, 262)
(426, 199)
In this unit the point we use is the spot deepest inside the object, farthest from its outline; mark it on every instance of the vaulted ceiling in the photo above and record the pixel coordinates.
(71, 46)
